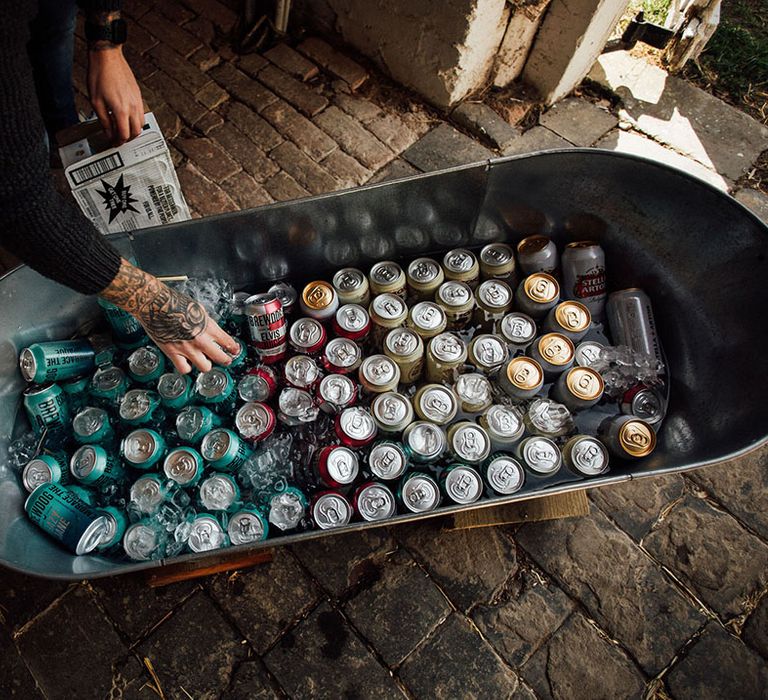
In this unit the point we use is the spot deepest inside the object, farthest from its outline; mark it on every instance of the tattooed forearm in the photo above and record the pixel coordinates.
(166, 315)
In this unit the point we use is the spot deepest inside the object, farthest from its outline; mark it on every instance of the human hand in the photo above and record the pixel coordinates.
(115, 94)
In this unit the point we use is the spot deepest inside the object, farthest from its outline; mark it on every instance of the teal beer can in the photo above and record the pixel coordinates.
(126, 329)
(93, 465)
(194, 422)
(54, 361)
(47, 409)
(224, 450)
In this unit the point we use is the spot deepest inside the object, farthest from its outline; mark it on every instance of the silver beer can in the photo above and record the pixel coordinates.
(424, 277)
(446, 353)
(375, 502)
(469, 442)
(537, 254)
(462, 484)
(462, 265)
(436, 403)
(425, 441)
(387, 460)
(518, 329)
(584, 276)
(330, 510)
(504, 474)
(585, 455)
(392, 412)
(419, 493)
(487, 353)
(630, 318)
(497, 261)
(387, 277)
(541, 455)
(352, 286)
(504, 425)
(427, 319)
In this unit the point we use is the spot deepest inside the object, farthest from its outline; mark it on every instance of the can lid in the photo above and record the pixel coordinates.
(27, 364)
(556, 349)
(402, 342)
(253, 387)
(424, 270)
(518, 328)
(340, 352)
(182, 465)
(386, 272)
(337, 389)
(213, 383)
(260, 299)
(541, 455)
(387, 460)
(135, 404)
(107, 378)
(379, 370)
(459, 260)
(637, 438)
(573, 316)
(342, 465)
(488, 350)
(218, 492)
(172, 385)
(84, 460)
(216, 444)
(587, 353)
(494, 294)
(331, 510)
(189, 422)
(582, 244)
(294, 402)
(438, 403)
(426, 315)
(37, 471)
(92, 536)
(584, 383)
(588, 455)
(533, 244)
(447, 347)
(89, 421)
(541, 288)
(505, 475)
(470, 442)
(375, 502)
(648, 405)
(147, 492)
(139, 446)
(140, 541)
(496, 254)
(420, 493)
(425, 439)
(504, 422)
(245, 527)
(392, 409)
(144, 361)
(463, 485)
(349, 279)
(357, 423)
(285, 293)
(318, 295)
(306, 332)
(453, 293)
(205, 534)
(388, 307)
(301, 371)
(352, 318)
(254, 419)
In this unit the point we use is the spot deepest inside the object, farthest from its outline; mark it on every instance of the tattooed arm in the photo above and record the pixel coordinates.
(179, 325)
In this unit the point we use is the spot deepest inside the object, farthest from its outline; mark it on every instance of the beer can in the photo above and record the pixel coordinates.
(446, 354)
(219, 492)
(84, 494)
(585, 456)
(461, 484)
(319, 300)
(206, 533)
(418, 493)
(336, 466)
(258, 384)
(296, 407)
(355, 427)
(104, 348)
(307, 336)
(584, 275)
(644, 403)
(578, 388)
(184, 465)
(378, 374)
(374, 501)
(108, 386)
(236, 322)
(497, 261)
(537, 294)
(474, 392)
(146, 364)
(224, 450)
(406, 349)
(239, 359)
(468, 442)
(335, 393)
(301, 371)
(287, 509)
(436, 403)
(287, 295)
(587, 353)
(248, 525)
(392, 412)
(194, 422)
(47, 410)
(521, 379)
(537, 254)
(330, 509)
(518, 329)
(424, 441)
(65, 517)
(143, 448)
(126, 329)
(387, 277)
(569, 318)
(493, 300)
(352, 286)
(627, 437)
(341, 356)
(554, 353)
(387, 460)
(44, 469)
(144, 540)
(427, 319)
(56, 360)
(116, 523)
(540, 455)
(255, 421)
(504, 425)
(387, 311)
(93, 465)
(267, 327)
(216, 389)
(462, 266)
(423, 278)
(630, 318)
(92, 426)
(353, 322)
(457, 300)
(487, 353)
(76, 391)
(175, 390)
(141, 407)
(504, 474)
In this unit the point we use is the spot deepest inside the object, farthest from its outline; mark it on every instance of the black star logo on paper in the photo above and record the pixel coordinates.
(117, 199)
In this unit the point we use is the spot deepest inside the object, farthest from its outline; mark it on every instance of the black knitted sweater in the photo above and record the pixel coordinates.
(37, 224)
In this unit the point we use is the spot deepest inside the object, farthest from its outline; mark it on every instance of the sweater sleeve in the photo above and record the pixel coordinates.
(36, 224)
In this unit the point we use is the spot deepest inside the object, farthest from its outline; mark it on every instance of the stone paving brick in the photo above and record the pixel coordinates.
(168, 121)
(169, 33)
(292, 62)
(392, 131)
(204, 58)
(248, 193)
(399, 610)
(141, 66)
(251, 683)
(210, 122)
(134, 607)
(334, 62)
(202, 28)
(456, 662)
(254, 161)
(559, 670)
(354, 138)
(136, 8)
(358, 107)
(252, 63)
(304, 98)
(208, 157)
(283, 187)
(718, 666)
(578, 121)
(15, 678)
(342, 562)
(265, 601)
(537, 139)
(574, 552)
(444, 147)
(711, 553)
(303, 169)
(211, 95)
(253, 126)
(69, 638)
(635, 505)
(486, 124)
(741, 486)
(141, 40)
(219, 13)
(523, 619)
(201, 194)
(314, 142)
(22, 597)
(186, 106)
(756, 629)
(196, 649)
(175, 11)
(393, 170)
(130, 681)
(249, 91)
(757, 201)
(325, 649)
(469, 565)
(346, 169)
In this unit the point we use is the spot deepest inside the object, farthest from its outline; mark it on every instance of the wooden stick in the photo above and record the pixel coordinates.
(191, 570)
(174, 278)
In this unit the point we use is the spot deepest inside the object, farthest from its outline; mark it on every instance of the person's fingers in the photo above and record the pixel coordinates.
(136, 121)
(180, 363)
(122, 126)
(105, 118)
(198, 359)
(224, 339)
(212, 350)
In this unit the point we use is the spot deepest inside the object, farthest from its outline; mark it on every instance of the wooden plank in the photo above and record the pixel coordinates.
(173, 573)
(566, 505)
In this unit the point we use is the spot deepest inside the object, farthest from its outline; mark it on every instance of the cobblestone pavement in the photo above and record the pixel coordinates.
(660, 592)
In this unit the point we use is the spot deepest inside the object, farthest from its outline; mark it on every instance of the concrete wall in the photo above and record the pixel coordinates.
(526, 16)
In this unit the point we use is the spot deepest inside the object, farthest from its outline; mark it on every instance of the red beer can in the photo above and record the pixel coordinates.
(267, 326)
